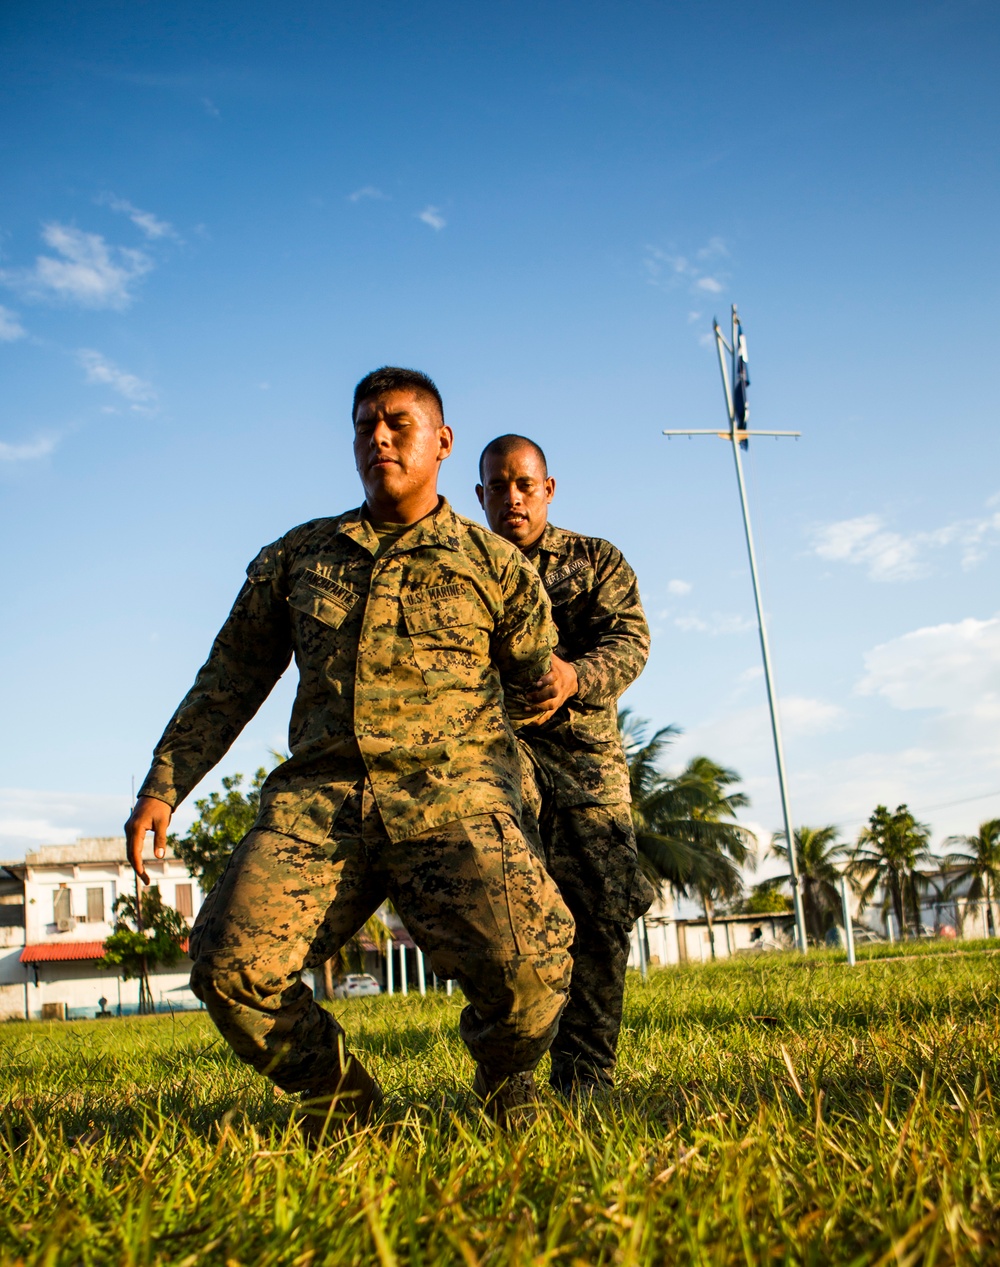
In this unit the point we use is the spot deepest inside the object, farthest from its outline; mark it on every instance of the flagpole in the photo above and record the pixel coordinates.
(735, 435)
(765, 650)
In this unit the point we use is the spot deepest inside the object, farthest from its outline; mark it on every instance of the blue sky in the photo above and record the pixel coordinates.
(215, 219)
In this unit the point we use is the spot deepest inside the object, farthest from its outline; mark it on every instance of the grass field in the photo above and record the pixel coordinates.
(769, 1110)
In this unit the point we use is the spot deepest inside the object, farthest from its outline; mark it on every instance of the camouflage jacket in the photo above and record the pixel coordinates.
(406, 663)
(603, 631)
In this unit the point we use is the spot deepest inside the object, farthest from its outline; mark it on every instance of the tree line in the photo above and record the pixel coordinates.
(688, 838)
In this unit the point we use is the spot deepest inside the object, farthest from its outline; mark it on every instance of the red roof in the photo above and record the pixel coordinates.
(63, 951)
(60, 951)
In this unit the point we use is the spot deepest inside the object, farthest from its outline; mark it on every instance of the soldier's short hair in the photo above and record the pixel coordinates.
(502, 446)
(391, 378)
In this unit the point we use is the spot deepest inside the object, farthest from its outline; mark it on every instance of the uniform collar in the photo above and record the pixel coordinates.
(552, 540)
(439, 528)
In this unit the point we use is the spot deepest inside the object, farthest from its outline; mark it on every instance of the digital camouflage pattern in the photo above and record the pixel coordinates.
(603, 631)
(576, 792)
(406, 663)
(470, 892)
(589, 850)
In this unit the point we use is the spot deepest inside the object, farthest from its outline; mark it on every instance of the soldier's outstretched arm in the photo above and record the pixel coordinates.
(618, 630)
(525, 637)
(250, 653)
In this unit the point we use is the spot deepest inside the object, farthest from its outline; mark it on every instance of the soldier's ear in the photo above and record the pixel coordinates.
(446, 439)
(550, 487)
(480, 494)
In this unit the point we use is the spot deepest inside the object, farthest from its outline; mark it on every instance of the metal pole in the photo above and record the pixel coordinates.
(421, 972)
(800, 923)
(388, 965)
(403, 980)
(848, 921)
(640, 932)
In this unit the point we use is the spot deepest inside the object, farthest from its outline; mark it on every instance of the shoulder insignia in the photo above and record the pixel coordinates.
(564, 573)
(339, 593)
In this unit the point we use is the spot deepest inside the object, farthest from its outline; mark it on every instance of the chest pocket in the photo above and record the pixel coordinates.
(325, 600)
(566, 583)
(448, 636)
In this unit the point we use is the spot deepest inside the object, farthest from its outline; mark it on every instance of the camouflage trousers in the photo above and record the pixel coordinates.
(470, 893)
(590, 852)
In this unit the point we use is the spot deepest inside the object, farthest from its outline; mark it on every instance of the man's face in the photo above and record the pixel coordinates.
(515, 493)
(399, 443)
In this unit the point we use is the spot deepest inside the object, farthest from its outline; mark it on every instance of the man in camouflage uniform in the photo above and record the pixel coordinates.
(411, 627)
(575, 776)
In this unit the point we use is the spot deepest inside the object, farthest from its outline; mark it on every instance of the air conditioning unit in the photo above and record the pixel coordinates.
(66, 925)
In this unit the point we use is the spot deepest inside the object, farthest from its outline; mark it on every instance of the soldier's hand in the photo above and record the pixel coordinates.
(554, 688)
(149, 815)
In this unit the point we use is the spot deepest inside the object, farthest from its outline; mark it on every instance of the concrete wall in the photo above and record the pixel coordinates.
(79, 985)
(12, 973)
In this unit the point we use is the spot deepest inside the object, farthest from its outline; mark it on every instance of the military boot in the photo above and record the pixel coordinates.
(339, 1104)
(510, 1099)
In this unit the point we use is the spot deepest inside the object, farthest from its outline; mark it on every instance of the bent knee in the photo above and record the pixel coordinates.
(226, 985)
(529, 991)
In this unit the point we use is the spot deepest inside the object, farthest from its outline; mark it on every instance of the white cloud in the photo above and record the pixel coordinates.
(670, 269)
(85, 270)
(717, 623)
(679, 588)
(741, 736)
(40, 448)
(10, 326)
(151, 225)
(954, 668)
(433, 217)
(801, 715)
(892, 556)
(210, 107)
(29, 818)
(713, 248)
(368, 191)
(104, 373)
(657, 261)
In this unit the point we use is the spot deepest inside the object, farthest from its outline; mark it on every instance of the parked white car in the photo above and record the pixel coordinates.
(355, 985)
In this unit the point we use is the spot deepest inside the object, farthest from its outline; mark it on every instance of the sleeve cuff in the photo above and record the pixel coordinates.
(159, 783)
(584, 680)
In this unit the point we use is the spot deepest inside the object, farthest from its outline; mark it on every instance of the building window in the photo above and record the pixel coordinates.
(62, 903)
(95, 906)
(183, 900)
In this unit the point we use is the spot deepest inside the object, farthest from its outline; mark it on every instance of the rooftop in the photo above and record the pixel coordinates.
(86, 849)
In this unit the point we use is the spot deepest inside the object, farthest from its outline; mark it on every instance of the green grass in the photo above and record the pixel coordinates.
(767, 1112)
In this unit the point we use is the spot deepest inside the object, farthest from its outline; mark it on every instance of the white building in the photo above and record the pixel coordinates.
(56, 910)
(672, 940)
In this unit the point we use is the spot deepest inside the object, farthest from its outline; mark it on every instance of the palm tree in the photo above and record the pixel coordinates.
(665, 858)
(705, 789)
(818, 851)
(684, 824)
(979, 863)
(887, 853)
